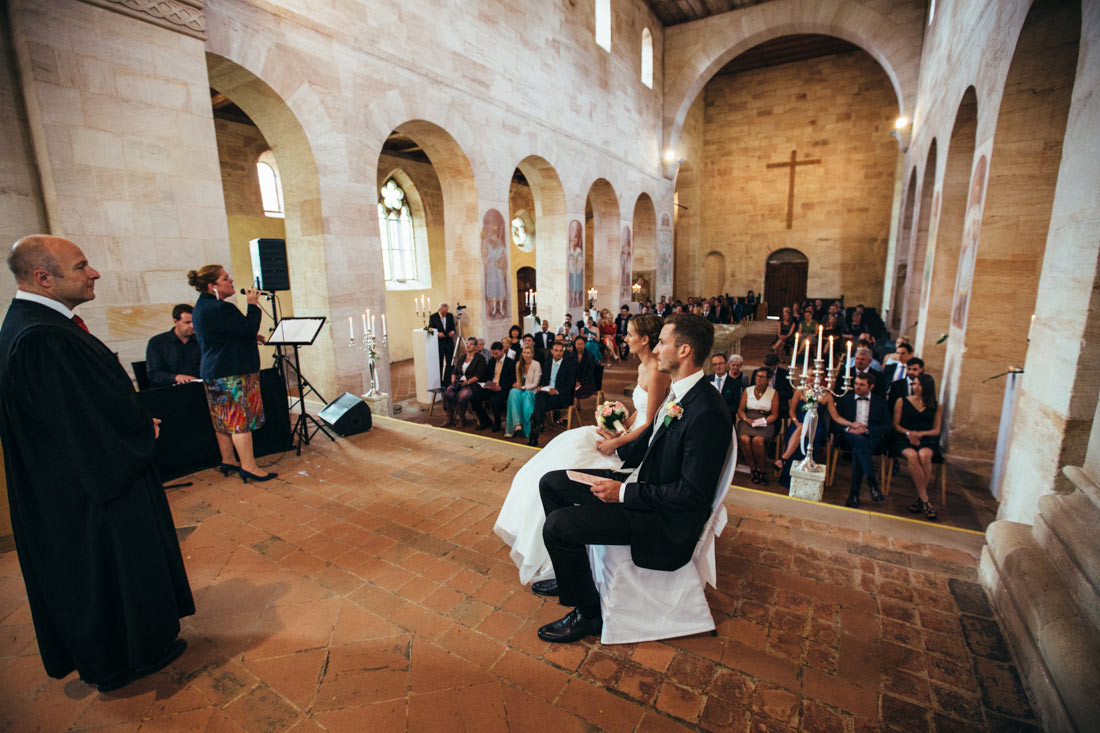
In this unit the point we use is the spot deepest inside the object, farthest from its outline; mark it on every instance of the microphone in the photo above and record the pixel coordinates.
(262, 292)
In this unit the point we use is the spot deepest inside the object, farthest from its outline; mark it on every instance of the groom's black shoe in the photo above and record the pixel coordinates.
(571, 628)
(545, 588)
(534, 439)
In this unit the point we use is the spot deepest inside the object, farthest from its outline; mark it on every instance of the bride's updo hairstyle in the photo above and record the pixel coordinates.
(202, 278)
(648, 325)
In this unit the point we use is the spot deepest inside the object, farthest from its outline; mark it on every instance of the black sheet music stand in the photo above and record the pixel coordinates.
(295, 332)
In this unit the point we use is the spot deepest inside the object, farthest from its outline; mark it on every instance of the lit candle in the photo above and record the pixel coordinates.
(794, 356)
(372, 325)
(820, 330)
(830, 353)
(429, 310)
(806, 359)
(848, 361)
(364, 317)
(351, 329)
(383, 325)
(535, 295)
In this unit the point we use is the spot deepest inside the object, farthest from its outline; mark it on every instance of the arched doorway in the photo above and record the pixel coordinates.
(525, 280)
(645, 247)
(605, 236)
(785, 279)
(550, 253)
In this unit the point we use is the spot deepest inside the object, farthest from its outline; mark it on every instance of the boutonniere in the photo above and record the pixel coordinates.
(675, 412)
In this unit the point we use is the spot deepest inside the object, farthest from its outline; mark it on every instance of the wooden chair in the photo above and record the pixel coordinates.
(435, 397)
(940, 468)
(833, 452)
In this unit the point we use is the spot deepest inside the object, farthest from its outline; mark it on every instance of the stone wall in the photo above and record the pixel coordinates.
(837, 109)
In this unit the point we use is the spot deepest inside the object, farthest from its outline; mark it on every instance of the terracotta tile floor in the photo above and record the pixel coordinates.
(364, 590)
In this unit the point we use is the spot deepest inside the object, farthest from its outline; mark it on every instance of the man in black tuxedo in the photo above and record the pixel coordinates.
(620, 329)
(444, 325)
(729, 387)
(500, 376)
(544, 338)
(556, 387)
(861, 422)
(660, 499)
(903, 387)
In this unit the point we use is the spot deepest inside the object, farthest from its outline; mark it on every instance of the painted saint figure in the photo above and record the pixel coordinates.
(494, 254)
(575, 265)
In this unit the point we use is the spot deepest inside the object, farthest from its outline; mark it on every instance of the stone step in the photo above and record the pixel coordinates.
(1085, 483)
(1066, 529)
(1057, 649)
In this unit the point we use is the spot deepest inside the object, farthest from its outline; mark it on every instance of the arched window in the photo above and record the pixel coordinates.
(396, 229)
(271, 188)
(603, 24)
(647, 58)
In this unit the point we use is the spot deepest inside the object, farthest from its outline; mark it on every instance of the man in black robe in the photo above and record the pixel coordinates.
(93, 530)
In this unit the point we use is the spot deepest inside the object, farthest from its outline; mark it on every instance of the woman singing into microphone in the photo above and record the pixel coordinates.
(230, 367)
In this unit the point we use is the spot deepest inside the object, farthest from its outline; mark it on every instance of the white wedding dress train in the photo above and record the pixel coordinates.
(521, 518)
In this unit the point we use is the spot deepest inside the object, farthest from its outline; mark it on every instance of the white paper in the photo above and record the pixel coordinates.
(585, 478)
(295, 330)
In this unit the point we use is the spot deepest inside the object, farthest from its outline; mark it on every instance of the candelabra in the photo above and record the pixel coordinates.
(814, 386)
(368, 346)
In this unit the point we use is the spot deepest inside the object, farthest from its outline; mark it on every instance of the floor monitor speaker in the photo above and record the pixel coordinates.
(348, 415)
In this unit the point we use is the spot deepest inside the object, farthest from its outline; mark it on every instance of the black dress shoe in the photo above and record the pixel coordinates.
(876, 495)
(545, 588)
(571, 628)
(533, 440)
(853, 501)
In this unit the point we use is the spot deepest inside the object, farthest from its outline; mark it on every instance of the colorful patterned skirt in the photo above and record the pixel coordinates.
(235, 404)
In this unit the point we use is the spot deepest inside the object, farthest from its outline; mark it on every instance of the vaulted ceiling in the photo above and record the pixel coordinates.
(674, 12)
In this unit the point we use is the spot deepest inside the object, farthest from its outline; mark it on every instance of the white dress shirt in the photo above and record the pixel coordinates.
(43, 300)
(718, 382)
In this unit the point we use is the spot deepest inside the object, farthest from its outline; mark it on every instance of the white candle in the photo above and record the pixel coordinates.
(364, 317)
(848, 361)
(794, 355)
(351, 329)
(830, 353)
(429, 310)
(383, 324)
(372, 325)
(820, 330)
(535, 295)
(806, 359)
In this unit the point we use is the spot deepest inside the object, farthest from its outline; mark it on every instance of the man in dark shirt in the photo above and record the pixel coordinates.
(173, 357)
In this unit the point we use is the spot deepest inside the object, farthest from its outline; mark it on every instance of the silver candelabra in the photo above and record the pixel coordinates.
(819, 382)
(368, 344)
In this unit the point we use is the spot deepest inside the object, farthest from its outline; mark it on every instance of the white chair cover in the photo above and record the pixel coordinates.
(639, 604)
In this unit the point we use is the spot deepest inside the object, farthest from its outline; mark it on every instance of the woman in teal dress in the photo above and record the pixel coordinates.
(521, 399)
(591, 333)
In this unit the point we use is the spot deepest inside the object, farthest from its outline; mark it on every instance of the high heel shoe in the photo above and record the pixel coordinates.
(245, 475)
(228, 468)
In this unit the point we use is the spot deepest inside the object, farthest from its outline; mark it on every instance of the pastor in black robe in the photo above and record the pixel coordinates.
(93, 529)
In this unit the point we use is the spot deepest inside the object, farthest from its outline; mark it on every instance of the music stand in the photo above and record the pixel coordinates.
(295, 332)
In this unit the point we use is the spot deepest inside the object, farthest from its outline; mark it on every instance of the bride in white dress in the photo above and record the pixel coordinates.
(521, 518)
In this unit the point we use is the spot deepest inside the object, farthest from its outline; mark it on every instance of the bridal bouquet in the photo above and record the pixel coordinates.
(610, 416)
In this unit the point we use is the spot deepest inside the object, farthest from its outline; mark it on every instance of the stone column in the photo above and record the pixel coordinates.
(118, 106)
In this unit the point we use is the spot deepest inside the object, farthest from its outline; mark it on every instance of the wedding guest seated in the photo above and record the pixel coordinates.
(521, 400)
(469, 369)
(793, 451)
(729, 388)
(620, 329)
(831, 328)
(820, 311)
(903, 387)
(591, 336)
(585, 369)
(778, 378)
(756, 416)
(916, 438)
(540, 354)
(890, 353)
(837, 310)
(785, 332)
(861, 422)
(500, 376)
(173, 357)
(544, 339)
(482, 349)
(736, 366)
(709, 313)
(567, 329)
(855, 325)
(863, 361)
(555, 389)
(807, 328)
(607, 336)
(893, 365)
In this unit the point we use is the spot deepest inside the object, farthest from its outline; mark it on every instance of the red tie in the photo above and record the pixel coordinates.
(80, 322)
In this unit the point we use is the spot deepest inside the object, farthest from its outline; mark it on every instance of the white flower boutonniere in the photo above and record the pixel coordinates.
(675, 412)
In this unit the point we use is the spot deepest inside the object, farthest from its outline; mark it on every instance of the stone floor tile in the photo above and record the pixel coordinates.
(480, 708)
(527, 712)
(387, 715)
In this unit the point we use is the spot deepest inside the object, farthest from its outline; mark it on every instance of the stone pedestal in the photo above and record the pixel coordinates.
(808, 484)
(425, 364)
(379, 404)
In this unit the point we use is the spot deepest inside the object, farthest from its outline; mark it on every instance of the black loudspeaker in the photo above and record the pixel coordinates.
(269, 267)
(347, 415)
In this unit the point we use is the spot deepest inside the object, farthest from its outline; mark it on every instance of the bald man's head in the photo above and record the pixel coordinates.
(53, 267)
(33, 252)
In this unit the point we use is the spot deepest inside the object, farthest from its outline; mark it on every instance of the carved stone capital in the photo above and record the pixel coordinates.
(183, 16)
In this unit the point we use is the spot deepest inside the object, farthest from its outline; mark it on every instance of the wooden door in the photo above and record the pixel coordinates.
(784, 283)
(525, 280)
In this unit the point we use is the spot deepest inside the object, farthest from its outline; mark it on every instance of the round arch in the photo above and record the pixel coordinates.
(644, 266)
(605, 239)
(894, 45)
(551, 250)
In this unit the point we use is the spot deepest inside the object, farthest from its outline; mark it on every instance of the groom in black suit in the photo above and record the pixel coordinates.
(658, 502)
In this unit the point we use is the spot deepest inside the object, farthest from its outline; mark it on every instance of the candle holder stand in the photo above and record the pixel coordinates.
(814, 386)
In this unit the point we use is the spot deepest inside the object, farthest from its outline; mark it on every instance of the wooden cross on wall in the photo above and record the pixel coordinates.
(792, 164)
